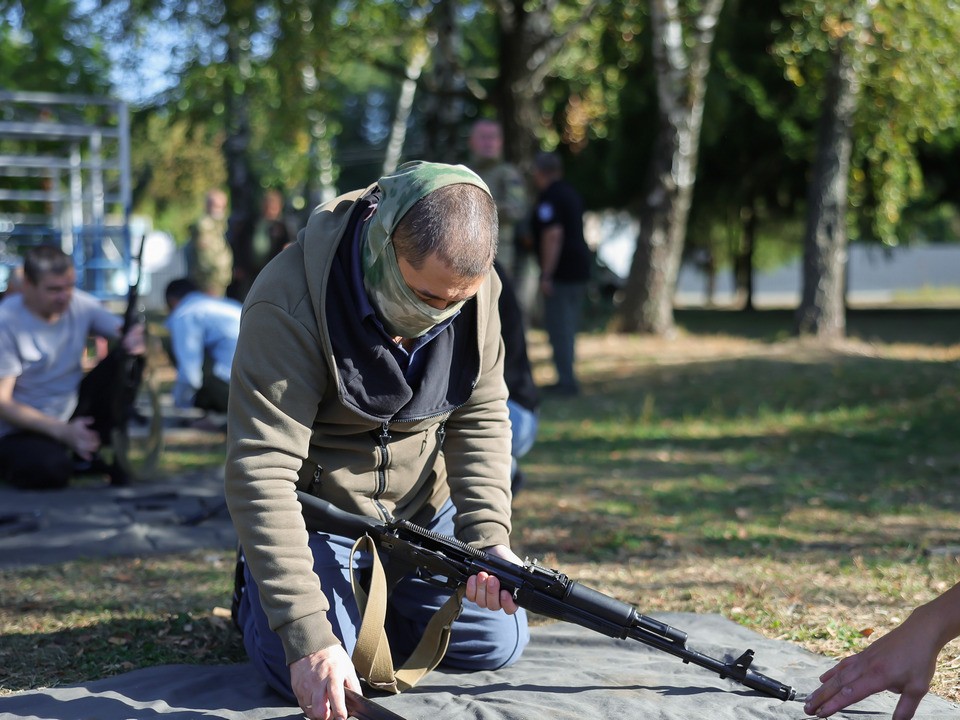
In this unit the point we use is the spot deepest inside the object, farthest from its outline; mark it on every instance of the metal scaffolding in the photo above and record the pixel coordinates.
(65, 179)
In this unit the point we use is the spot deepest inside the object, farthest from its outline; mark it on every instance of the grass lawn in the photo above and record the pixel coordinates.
(810, 494)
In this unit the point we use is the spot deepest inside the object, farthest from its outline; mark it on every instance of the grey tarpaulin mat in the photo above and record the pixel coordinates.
(178, 515)
(567, 673)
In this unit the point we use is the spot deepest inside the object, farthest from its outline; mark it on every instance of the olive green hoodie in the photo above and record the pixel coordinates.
(292, 424)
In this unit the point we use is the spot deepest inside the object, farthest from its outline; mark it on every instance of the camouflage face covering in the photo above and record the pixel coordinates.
(403, 313)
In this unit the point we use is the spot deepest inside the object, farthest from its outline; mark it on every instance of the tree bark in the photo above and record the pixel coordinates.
(447, 84)
(408, 89)
(519, 83)
(240, 177)
(743, 261)
(681, 85)
(821, 313)
(528, 43)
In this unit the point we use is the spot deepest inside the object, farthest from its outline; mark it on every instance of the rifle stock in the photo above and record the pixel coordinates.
(449, 562)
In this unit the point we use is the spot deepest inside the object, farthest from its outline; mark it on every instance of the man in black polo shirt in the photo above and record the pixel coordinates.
(565, 261)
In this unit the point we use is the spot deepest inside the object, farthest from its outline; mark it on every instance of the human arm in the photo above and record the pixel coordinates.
(75, 434)
(551, 244)
(134, 342)
(104, 324)
(278, 380)
(477, 455)
(902, 661)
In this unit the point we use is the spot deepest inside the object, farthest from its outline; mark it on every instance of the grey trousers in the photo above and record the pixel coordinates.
(561, 318)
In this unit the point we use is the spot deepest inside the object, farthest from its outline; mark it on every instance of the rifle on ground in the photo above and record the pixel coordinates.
(449, 562)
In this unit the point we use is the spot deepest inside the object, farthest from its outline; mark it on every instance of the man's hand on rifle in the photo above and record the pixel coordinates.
(80, 437)
(134, 342)
(318, 680)
(484, 589)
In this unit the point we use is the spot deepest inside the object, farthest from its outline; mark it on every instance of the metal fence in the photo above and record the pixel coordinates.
(65, 179)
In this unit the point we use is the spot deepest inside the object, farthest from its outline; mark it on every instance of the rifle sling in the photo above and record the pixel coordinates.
(371, 656)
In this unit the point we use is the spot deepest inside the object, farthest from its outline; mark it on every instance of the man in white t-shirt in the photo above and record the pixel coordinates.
(43, 335)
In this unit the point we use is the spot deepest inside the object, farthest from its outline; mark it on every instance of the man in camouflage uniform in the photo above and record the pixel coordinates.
(369, 373)
(506, 186)
(209, 255)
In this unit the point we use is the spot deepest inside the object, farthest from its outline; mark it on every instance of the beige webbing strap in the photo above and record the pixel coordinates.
(371, 656)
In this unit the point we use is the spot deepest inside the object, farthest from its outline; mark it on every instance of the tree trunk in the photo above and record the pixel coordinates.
(240, 178)
(528, 42)
(398, 131)
(445, 113)
(681, 84)
(517, 93)
(821, 313)
(648, 296)
(743, 262)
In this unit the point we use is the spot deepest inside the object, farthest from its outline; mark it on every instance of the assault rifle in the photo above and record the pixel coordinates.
(448, 563)
(108, 391)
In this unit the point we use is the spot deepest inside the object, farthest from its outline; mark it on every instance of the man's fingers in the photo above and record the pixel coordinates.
(908, 704)
(338, 703)
(849, 691)
(493, 592)
(485, 590)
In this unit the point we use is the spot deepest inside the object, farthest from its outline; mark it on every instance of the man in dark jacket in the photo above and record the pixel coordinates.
(565, 259)
(524, 400)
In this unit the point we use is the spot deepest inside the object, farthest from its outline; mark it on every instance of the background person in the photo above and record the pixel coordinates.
(203, 339)
(270, 235)
(565, 260)
(523, 402)
(208, 254)
(44, 332)
(506, 186)
(369, 373)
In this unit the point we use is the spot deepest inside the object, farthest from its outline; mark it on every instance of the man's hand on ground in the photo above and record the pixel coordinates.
(318, 679)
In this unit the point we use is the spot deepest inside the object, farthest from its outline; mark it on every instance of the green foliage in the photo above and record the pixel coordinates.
(177, 164)
(318, 80)
(906, 58)
(590, 72)
(50, 46)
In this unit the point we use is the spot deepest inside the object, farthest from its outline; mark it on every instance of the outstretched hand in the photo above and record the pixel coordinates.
(903, 661)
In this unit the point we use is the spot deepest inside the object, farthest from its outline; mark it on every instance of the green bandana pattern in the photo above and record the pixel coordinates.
(403, 313)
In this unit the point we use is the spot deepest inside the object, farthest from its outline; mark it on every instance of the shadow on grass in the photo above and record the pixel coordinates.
(925, 326)
(116, 646)
(750, 456)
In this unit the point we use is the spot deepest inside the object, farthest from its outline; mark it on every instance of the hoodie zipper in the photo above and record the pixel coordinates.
(383, 438)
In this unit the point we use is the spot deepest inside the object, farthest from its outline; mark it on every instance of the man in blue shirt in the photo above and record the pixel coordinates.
(203, 336)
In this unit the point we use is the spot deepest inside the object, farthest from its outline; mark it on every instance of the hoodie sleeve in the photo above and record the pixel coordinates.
(277, 381)
(477, 446)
